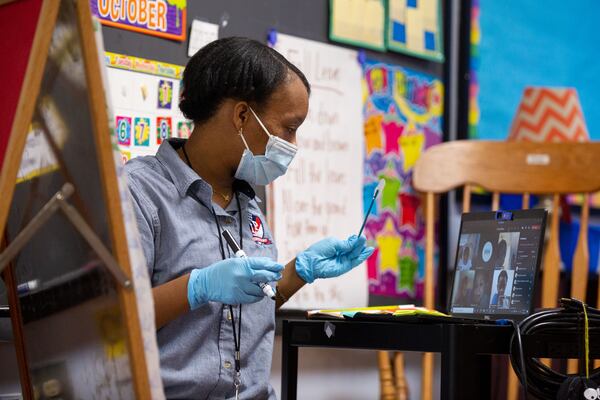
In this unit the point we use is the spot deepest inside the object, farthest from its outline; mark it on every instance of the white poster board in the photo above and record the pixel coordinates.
(321, 194)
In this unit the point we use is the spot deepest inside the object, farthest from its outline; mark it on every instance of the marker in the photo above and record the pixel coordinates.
(378, 189)
(27, 287)
(239, 253)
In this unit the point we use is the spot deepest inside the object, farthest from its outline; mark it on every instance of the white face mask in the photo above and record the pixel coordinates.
(264, 169)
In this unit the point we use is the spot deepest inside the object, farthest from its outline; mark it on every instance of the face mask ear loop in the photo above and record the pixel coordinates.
(243, 139)
(260, 122)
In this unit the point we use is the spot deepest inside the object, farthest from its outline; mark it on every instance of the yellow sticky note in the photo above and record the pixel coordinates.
(112, 332)
(389, 247)
(412, 146)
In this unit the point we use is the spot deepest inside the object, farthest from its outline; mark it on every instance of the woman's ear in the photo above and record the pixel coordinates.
(241, 111)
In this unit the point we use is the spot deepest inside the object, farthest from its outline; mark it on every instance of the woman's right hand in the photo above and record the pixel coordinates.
(232, 281)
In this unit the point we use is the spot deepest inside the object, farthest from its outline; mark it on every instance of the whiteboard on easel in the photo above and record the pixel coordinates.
(321, 194)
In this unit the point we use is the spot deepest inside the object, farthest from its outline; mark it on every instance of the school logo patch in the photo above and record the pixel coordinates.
(258, 230)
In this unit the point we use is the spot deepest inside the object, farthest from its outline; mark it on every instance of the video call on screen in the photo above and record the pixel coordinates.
(495, 267)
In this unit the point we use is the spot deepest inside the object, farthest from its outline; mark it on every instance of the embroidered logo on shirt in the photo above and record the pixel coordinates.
(258, 230)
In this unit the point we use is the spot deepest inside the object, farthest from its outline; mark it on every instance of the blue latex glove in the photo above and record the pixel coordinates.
(332, 257)
(232, 281)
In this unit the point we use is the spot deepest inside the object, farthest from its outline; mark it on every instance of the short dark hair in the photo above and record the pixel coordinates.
(232, 68)
(467, 251)
(504, 274)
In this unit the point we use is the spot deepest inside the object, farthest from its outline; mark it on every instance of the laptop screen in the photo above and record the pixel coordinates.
(496, 264)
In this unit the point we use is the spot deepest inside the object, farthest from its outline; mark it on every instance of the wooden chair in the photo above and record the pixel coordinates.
(508, 167)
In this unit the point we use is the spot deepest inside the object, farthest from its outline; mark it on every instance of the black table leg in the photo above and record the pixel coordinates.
(289, 366)
(465, 374)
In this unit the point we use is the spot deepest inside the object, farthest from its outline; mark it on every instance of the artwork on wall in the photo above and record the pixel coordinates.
(414, 27)
(475, 38)
(163, 18)
(403, 117)
(145, 98)
(358, 22)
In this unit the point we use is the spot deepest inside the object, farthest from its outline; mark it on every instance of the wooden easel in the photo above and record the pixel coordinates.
(21, 109)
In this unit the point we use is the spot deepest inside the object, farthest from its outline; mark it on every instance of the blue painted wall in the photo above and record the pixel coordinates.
(537, 43)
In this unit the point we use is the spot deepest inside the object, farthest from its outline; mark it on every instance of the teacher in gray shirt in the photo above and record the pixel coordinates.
(215, 324)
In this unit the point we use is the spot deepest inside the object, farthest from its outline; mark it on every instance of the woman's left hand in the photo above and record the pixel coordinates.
(332, 257)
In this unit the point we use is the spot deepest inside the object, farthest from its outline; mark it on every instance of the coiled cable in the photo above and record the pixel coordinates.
(575, 318)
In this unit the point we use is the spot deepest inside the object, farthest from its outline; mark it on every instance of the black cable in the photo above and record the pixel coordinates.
(538, 379)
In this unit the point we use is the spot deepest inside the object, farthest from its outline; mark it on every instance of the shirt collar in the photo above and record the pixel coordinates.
(183, 177)
(181, 174)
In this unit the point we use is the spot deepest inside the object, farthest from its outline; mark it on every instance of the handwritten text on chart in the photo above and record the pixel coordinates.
(321, 194)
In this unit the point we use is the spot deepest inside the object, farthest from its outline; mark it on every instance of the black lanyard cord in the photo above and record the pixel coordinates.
(221, 245)
(237, 334)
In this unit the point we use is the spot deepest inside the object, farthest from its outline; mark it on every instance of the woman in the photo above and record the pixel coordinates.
(481, 296)
(500, 299)
(464, 262)
(215, 325)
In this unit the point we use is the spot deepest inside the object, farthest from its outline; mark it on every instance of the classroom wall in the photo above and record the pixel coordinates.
(308, 19)
(525, 43)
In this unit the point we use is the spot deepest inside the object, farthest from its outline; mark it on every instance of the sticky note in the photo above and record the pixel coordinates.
(408, 269)
(392, 131)
(389, 247)
(389, 196)
(409, 206)
(412, 146)
(373, 133)
(368, 191)
(372, 263)
(377, 79)
(112, 332)
(375, 163)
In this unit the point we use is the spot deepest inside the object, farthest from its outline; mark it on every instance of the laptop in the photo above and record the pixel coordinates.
(495, 269)
(497, 263)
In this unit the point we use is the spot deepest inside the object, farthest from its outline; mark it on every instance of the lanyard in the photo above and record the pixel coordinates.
(237, 334)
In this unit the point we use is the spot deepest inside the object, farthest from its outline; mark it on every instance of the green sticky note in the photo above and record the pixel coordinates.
(389, 197)
(408, 269)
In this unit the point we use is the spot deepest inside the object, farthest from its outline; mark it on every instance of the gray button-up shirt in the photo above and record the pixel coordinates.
(180, 234)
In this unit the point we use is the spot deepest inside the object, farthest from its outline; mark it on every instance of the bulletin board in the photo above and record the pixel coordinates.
(415, 27)
(308, 21)
(145, 97)
(403, 117)
(359, 23)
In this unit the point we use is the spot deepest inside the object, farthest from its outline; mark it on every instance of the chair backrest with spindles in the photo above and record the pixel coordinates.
(511, 168)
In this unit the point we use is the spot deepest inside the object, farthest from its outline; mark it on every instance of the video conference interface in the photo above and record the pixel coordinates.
(495, 267)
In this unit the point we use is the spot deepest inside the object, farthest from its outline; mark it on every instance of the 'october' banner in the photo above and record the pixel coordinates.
(164, 18)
